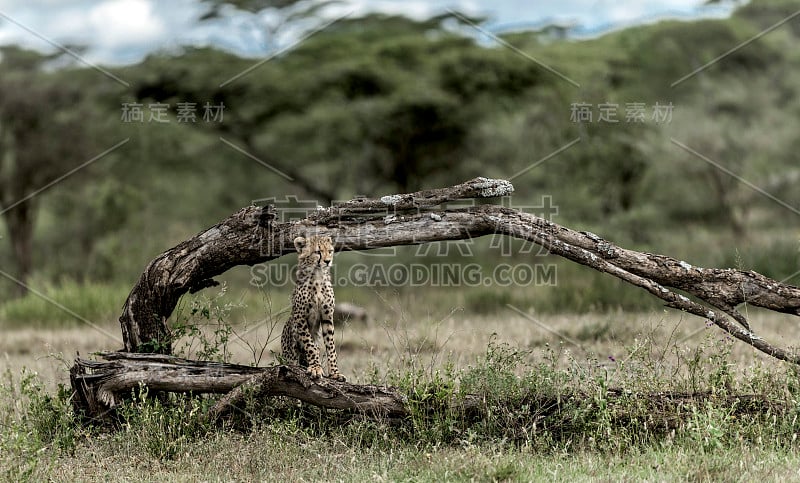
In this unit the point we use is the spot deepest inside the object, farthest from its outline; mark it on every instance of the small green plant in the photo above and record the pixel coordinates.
(205, 332)
(34, 426)
(248, 335)
(18, 445)
(431, 401)
(50, 418)
(496, 376)
(708, 426)
(164, 426)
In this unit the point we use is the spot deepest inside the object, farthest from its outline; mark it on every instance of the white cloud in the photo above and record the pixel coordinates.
(118, 31)
(125, 22)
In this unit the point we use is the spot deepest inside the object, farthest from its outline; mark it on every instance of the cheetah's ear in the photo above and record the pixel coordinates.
(299, 243)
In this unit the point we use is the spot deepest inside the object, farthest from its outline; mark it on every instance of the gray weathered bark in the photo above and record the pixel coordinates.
(253, 235)
(102, 385)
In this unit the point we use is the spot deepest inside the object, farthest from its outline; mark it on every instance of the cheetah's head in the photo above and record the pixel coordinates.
(316, 251)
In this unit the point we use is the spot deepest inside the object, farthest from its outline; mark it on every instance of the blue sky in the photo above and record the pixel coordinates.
(124, 31)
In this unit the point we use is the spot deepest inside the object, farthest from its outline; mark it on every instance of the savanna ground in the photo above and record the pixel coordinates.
(349, 101)
(561, 400)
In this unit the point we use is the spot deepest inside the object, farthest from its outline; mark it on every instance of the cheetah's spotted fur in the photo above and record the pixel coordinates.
(312, 309)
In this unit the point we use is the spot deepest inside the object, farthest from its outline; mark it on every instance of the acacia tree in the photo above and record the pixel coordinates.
(378, 94)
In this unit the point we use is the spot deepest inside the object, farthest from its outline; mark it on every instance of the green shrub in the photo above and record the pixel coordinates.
(36, 427)
(50, 418)
(163, 426)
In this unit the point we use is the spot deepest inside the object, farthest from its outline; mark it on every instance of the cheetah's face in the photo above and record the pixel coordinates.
(315, 251)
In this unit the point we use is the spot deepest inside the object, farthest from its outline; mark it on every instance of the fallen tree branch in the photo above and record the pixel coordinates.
(376, 401)
(102, 385)
(254, 235)
(719, 288)
(114, 378)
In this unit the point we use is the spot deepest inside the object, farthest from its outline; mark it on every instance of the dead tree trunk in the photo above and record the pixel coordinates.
(253, 235)
(101, 385)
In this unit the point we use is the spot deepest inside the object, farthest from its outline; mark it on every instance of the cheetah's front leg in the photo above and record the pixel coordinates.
(310, 349)
(327, 334)
(330, 347)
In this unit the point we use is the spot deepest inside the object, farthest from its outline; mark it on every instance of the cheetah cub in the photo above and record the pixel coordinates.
(312, 309)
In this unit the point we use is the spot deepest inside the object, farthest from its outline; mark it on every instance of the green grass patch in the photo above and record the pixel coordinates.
(68, 303)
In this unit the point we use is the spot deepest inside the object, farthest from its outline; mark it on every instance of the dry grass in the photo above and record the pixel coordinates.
(397, 337)
(49, 352)
(394, 336)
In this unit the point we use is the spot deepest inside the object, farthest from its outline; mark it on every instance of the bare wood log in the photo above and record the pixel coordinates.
(103, 384)
(720, 288)
(108, 381)
(376, 401)
(114, 378)
(252, 235)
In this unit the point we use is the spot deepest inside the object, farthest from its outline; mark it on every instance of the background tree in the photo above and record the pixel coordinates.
(42, 138)
(380, 95)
